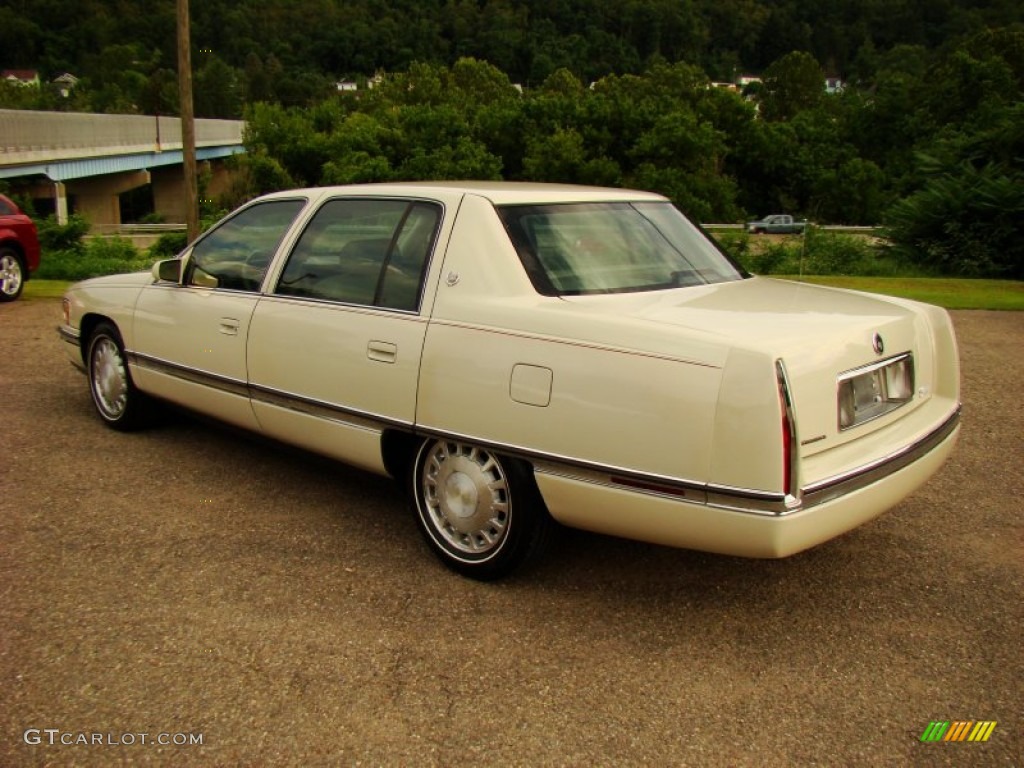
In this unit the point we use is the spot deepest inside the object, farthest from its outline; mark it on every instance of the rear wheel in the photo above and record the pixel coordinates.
(117, 401)
(12, 274)
(481, 513)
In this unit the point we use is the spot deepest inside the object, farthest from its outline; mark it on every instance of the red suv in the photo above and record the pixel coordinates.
(19, 249)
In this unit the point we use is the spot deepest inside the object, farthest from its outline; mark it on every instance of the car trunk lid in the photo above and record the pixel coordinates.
(821, 334)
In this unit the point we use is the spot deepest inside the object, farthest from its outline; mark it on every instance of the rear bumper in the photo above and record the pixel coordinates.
(866, 475)
(827, 509)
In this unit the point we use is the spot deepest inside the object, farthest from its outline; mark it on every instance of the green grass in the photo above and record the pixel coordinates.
(951, 293)
(45, 289)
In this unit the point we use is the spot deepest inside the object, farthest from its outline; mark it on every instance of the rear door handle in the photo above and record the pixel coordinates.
(382, 351)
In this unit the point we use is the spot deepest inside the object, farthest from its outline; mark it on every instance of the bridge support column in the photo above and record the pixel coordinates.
(169, 188)
(96, 197)
(169, 194)
(219, 179)
(60, 202)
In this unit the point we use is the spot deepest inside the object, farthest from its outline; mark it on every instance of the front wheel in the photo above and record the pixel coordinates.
(481, 513)
(117, 401)
(12, 274)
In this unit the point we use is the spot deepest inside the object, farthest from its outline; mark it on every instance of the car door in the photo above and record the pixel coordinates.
(334, 349)
(189, 339)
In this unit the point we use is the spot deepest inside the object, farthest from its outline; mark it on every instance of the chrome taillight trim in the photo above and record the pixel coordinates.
(791, 451)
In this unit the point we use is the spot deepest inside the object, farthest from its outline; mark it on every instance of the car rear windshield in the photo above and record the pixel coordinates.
(582, 248)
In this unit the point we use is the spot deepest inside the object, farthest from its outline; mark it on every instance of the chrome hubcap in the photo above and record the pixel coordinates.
(466, 497)
(10, 275)
(109, 379)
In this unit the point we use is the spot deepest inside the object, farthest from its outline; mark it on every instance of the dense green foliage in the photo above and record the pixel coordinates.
(96, 256)
(925, 138)
(283, 49)
(70, 255)
(66, 237)
(819, 253)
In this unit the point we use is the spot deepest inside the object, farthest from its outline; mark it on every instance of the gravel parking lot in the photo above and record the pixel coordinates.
(193, 584)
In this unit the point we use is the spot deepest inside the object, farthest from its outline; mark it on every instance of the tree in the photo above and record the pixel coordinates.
(967, 216)
(791, 84)
(258, 85)
(218, 89)
(852, 192)
(678, 139)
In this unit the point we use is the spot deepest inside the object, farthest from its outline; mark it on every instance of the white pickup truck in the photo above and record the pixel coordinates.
(776, 224)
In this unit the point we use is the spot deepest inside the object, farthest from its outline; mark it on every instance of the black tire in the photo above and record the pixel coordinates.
(117, 401)
(481, 513)
(12, 274)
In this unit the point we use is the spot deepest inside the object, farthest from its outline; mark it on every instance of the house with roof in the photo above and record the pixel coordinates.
(65, 83)
(834, 85)
(22, 77)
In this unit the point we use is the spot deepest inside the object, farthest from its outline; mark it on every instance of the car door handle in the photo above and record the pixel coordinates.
(382, 351)
(229, 326)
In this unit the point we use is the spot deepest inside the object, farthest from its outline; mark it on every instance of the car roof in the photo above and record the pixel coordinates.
(498, 192)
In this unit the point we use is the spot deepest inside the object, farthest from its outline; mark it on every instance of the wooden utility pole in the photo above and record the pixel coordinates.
(188, 122)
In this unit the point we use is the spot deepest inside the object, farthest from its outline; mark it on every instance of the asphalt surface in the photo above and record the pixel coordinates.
(191, 583)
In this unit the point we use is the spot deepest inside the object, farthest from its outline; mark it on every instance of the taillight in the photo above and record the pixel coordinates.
(787, 456)
(788, 430)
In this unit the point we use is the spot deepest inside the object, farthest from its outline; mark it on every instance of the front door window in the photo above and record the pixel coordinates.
(236, 254)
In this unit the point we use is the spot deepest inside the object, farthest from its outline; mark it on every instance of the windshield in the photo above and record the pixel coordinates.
(581, 248)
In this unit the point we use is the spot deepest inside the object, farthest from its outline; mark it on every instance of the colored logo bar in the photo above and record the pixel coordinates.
(958, 730)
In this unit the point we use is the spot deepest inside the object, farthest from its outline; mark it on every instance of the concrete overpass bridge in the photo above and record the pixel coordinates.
(84, 162)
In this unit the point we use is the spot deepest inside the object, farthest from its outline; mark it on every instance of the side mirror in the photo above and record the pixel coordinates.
(168, 271)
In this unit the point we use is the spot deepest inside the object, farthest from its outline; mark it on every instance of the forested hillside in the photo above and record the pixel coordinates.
(288, 50)
(927, 136)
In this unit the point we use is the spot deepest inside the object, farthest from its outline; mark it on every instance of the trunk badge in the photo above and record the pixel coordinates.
(878, 344)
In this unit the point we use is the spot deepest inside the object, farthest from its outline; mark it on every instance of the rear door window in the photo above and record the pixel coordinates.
(364, 252)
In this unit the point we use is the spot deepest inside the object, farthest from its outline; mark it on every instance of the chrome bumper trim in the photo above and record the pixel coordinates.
(73, 337)
(753, 501)
(746, 500)
(68, 334)
(848, 482)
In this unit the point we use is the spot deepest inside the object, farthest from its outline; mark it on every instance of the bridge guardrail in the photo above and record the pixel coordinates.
(28, 136)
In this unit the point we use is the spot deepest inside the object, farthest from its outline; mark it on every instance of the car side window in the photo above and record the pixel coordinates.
(366, 252)
(236, 254)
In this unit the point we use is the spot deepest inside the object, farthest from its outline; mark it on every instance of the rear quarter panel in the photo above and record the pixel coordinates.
(507, 367)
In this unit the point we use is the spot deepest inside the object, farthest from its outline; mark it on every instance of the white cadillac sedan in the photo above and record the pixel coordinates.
(520, 354)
